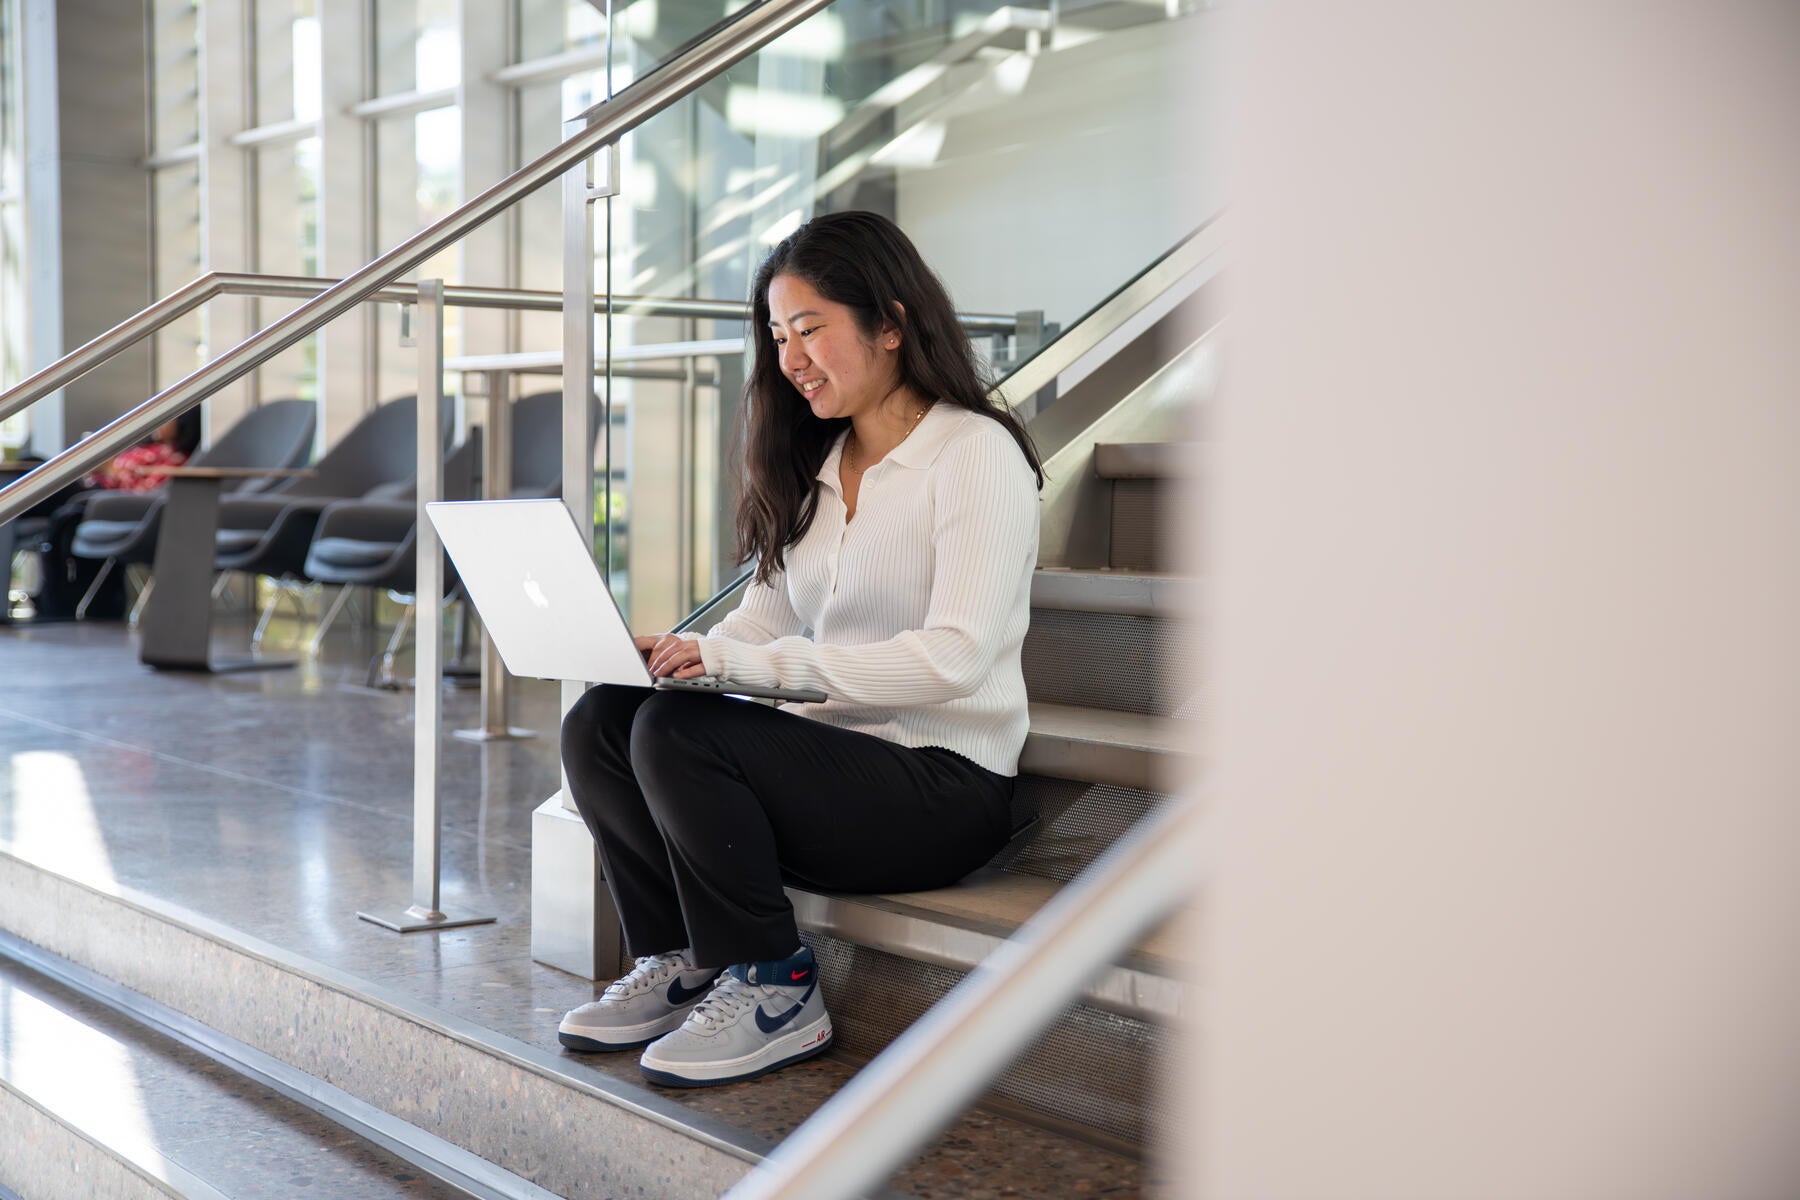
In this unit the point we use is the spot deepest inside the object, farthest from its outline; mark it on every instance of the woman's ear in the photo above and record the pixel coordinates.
(890, 330)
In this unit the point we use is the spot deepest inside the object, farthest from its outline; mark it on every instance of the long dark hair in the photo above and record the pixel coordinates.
(862, 261)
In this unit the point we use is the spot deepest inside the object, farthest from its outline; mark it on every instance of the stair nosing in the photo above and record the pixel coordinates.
(1122, 592)
(1137, 986)
(1160, 729)
(1140, 460)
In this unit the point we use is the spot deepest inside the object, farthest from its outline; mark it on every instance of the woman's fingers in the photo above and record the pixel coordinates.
(647, 642)
(674, 655)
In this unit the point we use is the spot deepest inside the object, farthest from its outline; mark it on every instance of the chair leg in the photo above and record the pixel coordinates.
(94, 588)
(268, 614)
(294, 592)
(337, 605)
(460, 630)
(381, 671)
(137, 610)
(220, 584)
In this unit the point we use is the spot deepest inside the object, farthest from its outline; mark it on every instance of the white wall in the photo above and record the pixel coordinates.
(1052, 196)
(1504, 521)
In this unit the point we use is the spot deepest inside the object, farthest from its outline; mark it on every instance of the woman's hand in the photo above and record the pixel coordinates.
(671, 654)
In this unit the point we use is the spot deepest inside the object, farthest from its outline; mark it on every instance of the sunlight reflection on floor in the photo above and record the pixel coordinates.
(52, 819)
(75, 1072)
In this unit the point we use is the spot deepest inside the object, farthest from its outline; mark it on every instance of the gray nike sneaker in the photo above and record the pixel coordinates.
(758, 1017)
(654, 999)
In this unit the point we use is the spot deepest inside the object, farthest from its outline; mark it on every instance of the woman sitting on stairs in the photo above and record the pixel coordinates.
(891, 508)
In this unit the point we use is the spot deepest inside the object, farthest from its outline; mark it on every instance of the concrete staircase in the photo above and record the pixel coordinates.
(1108, 660)
(96, 1104)
(424, 1102)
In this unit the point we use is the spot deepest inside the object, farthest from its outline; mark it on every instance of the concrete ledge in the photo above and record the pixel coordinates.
(512, 1104)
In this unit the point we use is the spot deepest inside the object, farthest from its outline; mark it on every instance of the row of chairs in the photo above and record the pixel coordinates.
(352, 521)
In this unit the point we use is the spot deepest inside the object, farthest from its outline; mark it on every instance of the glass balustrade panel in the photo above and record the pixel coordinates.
(1023, 148)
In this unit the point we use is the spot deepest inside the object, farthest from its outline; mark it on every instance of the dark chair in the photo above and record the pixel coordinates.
(372, 542)
(267, 533)
(537, 445)
(122, 527)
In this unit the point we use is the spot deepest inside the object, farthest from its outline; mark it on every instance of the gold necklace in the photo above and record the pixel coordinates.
(850, 442)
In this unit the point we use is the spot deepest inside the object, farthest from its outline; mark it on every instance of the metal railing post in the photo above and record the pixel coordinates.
(426, 911)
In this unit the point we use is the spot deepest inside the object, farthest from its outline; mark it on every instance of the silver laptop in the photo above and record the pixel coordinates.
(551, 615)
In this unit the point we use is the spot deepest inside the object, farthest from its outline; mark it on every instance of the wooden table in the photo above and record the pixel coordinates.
(177, 621)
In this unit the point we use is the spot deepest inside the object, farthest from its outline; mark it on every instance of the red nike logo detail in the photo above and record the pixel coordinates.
(797, 976)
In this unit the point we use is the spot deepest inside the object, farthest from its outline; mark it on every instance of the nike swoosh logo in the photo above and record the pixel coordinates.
(769, 1024)
(681, 995)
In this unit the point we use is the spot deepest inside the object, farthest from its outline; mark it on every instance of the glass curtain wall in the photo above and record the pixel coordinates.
(176, 180)
(285, 176)
(981, 128)
(1019, 145)
(570, 35)
(14, 360)
(418, 162)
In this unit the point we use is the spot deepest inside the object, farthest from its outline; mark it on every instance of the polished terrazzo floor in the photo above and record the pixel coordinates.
(280, 803)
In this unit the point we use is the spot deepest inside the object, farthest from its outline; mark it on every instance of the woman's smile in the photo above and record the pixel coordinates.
(829, 360)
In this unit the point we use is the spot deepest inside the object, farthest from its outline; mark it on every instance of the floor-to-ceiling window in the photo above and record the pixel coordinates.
(175, 178)
(417, 130)
(285, 172)
(13, 355)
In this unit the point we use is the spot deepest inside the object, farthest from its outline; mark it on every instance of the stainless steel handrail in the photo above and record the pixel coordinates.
(734, 40)
(1088, 331)
(213, 284)
(928, 1074)
(1111, 314)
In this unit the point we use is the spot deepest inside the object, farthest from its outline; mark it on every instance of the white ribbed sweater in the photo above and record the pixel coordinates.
(917, 608)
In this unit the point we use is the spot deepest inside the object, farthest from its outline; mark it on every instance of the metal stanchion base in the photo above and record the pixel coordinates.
(417, 919)
(509, 734)
(233, 662)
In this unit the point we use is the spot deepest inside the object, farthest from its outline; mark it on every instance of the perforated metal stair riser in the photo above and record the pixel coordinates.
(1107, 660)
(1078, 822)
(1092, 1073)
(1137, 525)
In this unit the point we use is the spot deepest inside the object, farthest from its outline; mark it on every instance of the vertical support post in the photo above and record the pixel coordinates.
(573, 924)
(428, 595)
(426, 911)
(496, 476)
(1029, 336)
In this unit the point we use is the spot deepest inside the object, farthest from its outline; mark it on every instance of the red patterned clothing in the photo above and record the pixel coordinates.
(129, 469)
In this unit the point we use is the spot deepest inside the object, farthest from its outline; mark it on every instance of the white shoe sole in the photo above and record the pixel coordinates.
(793, 1047)
(620, 1037)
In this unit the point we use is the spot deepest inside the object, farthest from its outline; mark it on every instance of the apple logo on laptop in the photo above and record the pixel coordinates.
(534, 593)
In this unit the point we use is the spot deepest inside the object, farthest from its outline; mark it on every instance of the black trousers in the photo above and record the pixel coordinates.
(702, 805)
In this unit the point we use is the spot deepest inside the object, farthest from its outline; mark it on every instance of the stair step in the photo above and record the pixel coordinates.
(577, 1125)
(959, 926)
(1118, 661)
(93, 1104)
(1142, 460)
(1098, 745)
(1124, 592)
